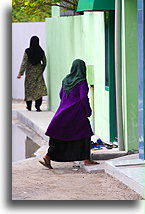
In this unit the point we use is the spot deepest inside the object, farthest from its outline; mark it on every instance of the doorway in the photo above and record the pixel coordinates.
(109, 17)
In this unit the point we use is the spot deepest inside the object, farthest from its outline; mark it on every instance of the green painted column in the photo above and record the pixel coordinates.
(111, 69)
(130, 74)
(141, 78)
(70, 38)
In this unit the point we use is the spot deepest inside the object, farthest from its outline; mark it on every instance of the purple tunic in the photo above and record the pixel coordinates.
(70, 121)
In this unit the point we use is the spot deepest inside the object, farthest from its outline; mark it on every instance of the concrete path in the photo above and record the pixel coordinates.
(31, 181)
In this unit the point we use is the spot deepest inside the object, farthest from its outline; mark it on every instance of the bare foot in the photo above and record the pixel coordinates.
(90, 162)
(46, 162)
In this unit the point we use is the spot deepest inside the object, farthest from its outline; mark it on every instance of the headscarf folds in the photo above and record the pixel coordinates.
(35, 52)
(77, 74)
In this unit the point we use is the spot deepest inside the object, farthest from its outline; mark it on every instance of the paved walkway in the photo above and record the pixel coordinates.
(38, 122)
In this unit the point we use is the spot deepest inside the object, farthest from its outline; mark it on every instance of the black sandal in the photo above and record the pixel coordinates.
(91, 163)
(45, 163)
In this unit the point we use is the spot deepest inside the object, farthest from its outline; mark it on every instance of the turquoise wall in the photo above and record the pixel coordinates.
(130, 74)
(68, 38)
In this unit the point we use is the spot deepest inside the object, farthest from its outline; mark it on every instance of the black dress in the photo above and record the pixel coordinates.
(65, 151)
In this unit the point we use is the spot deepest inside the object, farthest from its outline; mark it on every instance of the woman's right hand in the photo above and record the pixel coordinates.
(19, 76)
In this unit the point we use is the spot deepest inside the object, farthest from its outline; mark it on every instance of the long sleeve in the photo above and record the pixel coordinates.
(84, 98)
(24, 64)
(44, 62)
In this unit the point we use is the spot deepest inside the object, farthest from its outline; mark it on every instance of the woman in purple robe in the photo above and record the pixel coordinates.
(70, 130)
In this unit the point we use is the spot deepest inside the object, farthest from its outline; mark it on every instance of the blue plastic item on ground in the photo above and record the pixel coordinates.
(97, 145)
(100, 142)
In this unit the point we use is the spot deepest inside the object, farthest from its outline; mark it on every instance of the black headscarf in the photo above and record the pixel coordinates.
(35, 52)
(77, 74)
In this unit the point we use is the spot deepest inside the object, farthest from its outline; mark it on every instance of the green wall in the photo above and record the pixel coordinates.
(130, 74)
(68, 38)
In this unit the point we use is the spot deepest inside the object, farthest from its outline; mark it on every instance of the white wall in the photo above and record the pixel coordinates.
(18, 143)
(21, 34)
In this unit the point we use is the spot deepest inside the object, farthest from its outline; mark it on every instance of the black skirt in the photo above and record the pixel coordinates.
(65, 151)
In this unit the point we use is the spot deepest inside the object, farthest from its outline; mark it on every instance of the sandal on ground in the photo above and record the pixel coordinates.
(109, 147)
(115, 146)
(45, 163)
(90, 162)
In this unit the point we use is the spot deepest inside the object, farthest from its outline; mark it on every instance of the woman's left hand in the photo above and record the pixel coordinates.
(19, 76)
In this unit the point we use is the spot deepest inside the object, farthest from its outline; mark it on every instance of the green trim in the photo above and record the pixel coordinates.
(107, 88)
(106, 17)
(111, 71)
(96, 5)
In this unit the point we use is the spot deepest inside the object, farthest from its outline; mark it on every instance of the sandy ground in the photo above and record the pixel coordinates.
(32, 181)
